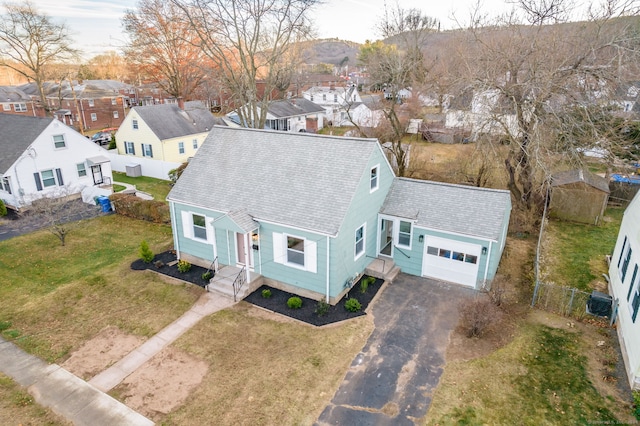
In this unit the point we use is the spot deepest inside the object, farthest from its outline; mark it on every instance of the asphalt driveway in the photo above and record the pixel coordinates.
(391, 381)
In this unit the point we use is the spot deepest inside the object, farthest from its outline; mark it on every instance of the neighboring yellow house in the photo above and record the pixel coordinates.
(167, 132)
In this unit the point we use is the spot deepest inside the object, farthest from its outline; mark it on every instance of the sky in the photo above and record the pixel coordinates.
(96, 24)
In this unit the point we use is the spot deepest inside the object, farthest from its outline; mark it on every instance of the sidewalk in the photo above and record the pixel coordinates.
(67, 395)
(206, 305)
(131, 189)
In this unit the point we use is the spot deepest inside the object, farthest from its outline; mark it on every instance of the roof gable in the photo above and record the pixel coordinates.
(300, 180)
(293, 107)
(18, 132)
(168, 121)
(579, 175)
(466, 210)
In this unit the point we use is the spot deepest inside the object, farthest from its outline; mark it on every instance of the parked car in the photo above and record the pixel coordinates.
(102, 138)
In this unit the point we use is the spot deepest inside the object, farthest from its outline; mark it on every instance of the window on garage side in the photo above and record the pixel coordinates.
(199, 227)
(359, 242)
(295, 250)
(633, 297)
(626, 257)
(433, 251)
(404, 234)
(470, 258)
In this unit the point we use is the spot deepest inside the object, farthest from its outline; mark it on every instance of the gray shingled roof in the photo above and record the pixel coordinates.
(466, 210)
(12, 94)
(18, 132)
(88, 89)
(293, 107)
(298, 179)
(169, 121)
(578, 175)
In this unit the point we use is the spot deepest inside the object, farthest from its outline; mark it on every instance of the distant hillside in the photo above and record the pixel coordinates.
(330, 51)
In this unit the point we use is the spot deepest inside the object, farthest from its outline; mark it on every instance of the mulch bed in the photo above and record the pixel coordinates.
(278, 303)
(278, 300)
(161, 262)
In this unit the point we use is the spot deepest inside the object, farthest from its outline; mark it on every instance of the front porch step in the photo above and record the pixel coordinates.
(222, 282)
(385, 269)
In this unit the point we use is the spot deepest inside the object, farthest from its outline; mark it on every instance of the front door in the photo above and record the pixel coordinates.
(386, 237)
(242, 250)
(97, 174)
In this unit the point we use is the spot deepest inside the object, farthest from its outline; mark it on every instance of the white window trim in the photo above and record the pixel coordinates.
(635, 290)
(128, 144)
(280, 252)
(116, 114)
(364, 241)
(626, 248)
(94, 116)
(84, 168)
(187, 227)
(135, 125)
(6, 107)
(286, 252)
(374, 189)
(397, 234)
(195, 144)
(181, 148)
(193, 227)
(64, 140)
(20, 107)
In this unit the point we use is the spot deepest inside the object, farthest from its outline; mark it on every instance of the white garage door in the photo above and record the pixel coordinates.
(450, 260)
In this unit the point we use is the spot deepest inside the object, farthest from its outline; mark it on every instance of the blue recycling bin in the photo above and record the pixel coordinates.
(104, 203)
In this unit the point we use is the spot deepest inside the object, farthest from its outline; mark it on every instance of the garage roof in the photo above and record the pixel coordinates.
(467, 210)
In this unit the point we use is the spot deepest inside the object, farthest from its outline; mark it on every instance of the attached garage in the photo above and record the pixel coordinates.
(451, 260)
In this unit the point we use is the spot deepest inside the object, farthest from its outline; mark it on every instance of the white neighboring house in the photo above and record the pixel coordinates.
(336, 101)
(289, 115)
(624, 286)
(43, 157)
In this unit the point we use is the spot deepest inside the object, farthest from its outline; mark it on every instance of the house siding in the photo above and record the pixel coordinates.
(170, 150)
(628, 330)
(198, 248)
(364, 208)
(143, 134)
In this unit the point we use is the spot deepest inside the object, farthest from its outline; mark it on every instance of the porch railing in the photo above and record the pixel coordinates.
(240, 280)
(214, 265)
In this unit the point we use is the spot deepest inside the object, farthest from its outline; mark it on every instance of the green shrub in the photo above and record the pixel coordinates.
(5, 325)
(322, 308)
(207, 276)
(365, 283)
(137, 208)
(294, 302)
(112, 143)
(352, 305)
(184, 266)
(145, 252)
(3, 208)
(266, 293)
(636, 404)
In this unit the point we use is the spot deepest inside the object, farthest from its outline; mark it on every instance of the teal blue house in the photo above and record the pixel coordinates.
(307, 213)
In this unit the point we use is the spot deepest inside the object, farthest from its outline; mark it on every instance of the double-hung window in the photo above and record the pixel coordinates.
(404, 234)
(58, 141)
(20, 107)
(625, 257)
(633, 296)
(295, 250)
(147, 150)
(129, 148)
(199, 227)
(6, 184)
(359, 242)
(374, 178)
(181, 147)
(82, 169)
(94, 116)
(91, 103)
(195, 144)
(134, 124)
(116, 114)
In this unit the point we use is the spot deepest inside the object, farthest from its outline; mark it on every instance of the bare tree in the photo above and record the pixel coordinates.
(252, 44)
(30, 42)
(527, 74)
(164, 47)
(59, 212)
(396, 68)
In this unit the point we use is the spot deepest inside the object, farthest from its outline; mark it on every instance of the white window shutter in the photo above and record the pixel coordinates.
(210, 231)
(278, 248)
(187, 226)
(311, 256)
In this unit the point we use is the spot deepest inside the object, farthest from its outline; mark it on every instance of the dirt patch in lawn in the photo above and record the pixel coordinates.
(162, 384)
(99, 353)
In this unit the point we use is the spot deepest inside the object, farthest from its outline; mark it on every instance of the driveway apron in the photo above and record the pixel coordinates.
(391, 381)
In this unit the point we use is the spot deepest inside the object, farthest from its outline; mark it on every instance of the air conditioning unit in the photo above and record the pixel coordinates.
(599, 304)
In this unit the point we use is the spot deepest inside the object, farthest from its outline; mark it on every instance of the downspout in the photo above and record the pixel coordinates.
(228, 248)
(327, 295)
(259, 253)
(174, 230)
(486, 266)
(84, 121)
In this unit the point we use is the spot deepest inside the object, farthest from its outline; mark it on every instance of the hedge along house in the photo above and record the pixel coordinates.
(578, 196)
(307, 213)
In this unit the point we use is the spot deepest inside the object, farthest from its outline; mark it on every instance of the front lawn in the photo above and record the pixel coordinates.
(574, 254)
(56, 297)
(539, 378)
(158, 188)
(17, 407)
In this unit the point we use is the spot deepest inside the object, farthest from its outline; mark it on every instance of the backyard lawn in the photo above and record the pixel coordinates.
(574, 254)
(158, 188)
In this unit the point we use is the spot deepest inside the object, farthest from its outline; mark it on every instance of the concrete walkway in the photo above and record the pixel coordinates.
(67, 395)
(206, 305)
(133, 190)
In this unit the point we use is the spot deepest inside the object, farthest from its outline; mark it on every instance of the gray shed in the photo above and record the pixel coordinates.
(578, 196)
